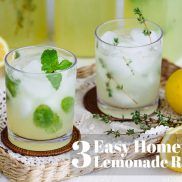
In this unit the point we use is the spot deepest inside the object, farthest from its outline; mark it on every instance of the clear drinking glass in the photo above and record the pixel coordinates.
(40, 117)
(128, 67)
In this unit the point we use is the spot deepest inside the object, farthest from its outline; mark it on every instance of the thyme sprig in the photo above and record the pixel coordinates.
(168, 120)
(102, 117)
(128, 63)
(142, 20)
(116, 41)
(117, 133)
(143, 121)
(110, 79)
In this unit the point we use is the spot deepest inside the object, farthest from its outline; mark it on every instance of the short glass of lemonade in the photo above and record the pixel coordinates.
(40, 98)
(128, 67)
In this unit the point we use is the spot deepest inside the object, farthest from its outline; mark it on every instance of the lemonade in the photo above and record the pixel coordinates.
(128, 67)
(76, 20)
(167, 13)
(40, 105)
(23, 22)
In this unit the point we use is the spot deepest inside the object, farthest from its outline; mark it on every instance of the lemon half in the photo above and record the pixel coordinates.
(174, 91)
(173, 136)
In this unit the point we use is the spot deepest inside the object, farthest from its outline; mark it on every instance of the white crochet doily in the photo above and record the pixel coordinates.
(84, 121)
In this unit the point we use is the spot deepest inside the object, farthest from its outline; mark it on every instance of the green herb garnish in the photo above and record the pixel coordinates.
(17, 54)
(67, 104)
(142, 20)
(55, 80)
(130, 132)
(45, 118)
(102, 117)
(12, 85)
(117, 133)
(116, 41)
(144, 121)
(128, 63)
(50, 64)
(119, 87)
(110, 78)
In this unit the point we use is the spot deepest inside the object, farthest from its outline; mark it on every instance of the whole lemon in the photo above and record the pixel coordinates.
(174, 91)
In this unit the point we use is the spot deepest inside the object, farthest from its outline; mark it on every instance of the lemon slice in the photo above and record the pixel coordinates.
(173, 136)
(3, 51)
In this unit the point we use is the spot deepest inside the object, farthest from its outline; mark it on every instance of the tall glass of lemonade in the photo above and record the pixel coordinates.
(40, 87)
(76, 20)
(166, 13)
(23, 22)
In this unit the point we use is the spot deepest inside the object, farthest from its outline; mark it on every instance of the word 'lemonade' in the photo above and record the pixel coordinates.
(40, 97)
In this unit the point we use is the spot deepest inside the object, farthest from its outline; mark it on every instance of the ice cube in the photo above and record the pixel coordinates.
(37, 86)
(141, 39)
(109, 37)
(33, 67)
(25, 105)
(54, 102)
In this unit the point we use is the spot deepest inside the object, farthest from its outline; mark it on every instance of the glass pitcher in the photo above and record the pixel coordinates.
(23, 22)
(76, 20)
(166, 13)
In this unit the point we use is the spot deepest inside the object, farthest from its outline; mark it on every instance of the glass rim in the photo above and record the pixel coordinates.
(123, 20)
(39, 46)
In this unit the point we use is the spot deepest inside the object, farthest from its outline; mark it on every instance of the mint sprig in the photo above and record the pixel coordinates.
(50, 64)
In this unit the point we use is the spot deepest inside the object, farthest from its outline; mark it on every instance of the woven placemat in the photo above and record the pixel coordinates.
(75, 137)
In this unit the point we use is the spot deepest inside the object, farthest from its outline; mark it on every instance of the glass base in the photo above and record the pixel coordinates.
(38, 145)
(125, 112)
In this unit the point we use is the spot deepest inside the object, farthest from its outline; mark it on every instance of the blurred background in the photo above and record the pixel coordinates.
(70, 24)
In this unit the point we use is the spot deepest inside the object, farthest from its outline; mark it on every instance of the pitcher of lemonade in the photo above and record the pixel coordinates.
(25, 22)
(166, 13)
(76, 20)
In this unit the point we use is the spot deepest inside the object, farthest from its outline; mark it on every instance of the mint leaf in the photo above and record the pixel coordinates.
(50, 64)
(49, 61)
(64, 64)
(45, 118)
(67, 104)
(55, 80)
(17, 54)
(12, 86)
(56, 124)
